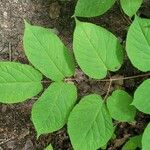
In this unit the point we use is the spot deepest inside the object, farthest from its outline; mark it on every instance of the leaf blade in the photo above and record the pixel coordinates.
(133, 143)
(55, 62)
(51, 110)
(16, 79)
(138, 44)
(130, 7)
(141, 97)
(49, 147)
(92, 8)
(119, 106)
(146, 138)
(95, 130)
(94, 58)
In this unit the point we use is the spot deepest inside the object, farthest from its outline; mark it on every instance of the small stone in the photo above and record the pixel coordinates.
(24, 133)
(54, 10)
(28, 145)
(11, 144)
(5, 15)
(4, 108)
(1, 148)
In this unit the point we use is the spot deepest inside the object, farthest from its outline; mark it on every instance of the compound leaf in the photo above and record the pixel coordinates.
(138, 43)
(47, 53)
(119, 106)
(18, 82)
(142, 97)
(92, 8)
(146, 138)
(130, 7)
(96, 50)
(90, 124)
(133, 143)
(50, 112)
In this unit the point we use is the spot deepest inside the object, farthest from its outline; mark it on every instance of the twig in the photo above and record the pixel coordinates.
(70, 80)
(126, 78)
(123, 14)
(34, 98)
(105, 80)
(46, 81)
(109, 87)
(10, 52)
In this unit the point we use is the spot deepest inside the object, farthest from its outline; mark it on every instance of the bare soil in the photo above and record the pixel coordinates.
(16, 129)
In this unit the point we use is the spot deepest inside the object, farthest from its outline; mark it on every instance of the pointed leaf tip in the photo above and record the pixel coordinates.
(95, 59)
(94, 131)
(56, 62)
(26, 23)
(50, 112)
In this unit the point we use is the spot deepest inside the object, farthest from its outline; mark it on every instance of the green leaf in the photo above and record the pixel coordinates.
(138, 43)
(119, 106)
(133, 143)
(92, 8)
(142, 97)
(49, 147)
(96, 50)
(130, 7)
(146, 138)
(47, 53)
(18, 82)
(51, 111)
(90, 125)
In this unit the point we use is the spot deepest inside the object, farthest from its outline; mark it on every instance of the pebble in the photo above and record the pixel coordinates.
(54, 10)
(28, 145)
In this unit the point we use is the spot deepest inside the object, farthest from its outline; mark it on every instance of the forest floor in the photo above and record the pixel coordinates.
(16, 129)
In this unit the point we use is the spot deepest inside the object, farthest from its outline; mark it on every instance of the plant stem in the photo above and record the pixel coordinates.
(46, 81)
(126, 78)
(128, 19)
(105, 80)
(10, 52)
(109, 87)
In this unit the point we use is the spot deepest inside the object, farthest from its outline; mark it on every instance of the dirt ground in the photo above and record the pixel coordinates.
(16, 129)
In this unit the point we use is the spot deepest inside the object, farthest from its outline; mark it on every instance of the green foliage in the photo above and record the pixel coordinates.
(133, 143)
(92, 8)
(90, 125)
(49, 147)
(119, 106)
(18, 82)
(96, 50)
(130, 7)
(138, 43)
(50, 112)
(55, 61)
(146, 138)
(141, 97)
